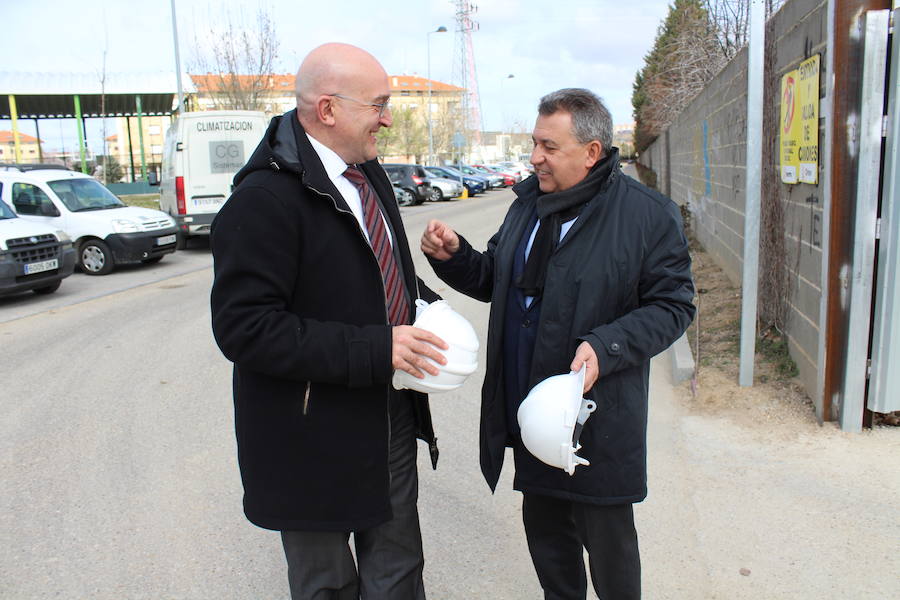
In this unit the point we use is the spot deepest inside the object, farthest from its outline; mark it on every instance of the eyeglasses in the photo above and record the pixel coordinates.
(379, 106)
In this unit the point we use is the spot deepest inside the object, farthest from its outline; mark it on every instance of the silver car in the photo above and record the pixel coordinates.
(444, 189)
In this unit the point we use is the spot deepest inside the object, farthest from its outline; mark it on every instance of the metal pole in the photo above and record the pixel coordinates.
(827, 113)
(130, 149)
(79, 122)
(37, 133)
(440, 29)
(15, 127)
(141, 137)
(750, 273)
(177, 61)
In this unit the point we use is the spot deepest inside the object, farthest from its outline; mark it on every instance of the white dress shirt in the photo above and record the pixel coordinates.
(334, 168)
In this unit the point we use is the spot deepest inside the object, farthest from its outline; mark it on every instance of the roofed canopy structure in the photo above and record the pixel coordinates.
(81, 95)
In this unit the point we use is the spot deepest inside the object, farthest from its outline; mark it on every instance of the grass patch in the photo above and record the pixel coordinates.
(774, 348)
(142, 200)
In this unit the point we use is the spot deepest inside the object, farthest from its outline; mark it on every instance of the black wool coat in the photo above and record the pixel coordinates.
(620, 280)
(298, 307)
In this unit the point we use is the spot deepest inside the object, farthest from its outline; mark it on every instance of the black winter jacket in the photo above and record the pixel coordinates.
(620, 280)
(298, 306)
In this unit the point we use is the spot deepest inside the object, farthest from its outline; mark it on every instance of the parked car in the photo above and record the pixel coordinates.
(411, 178)
(508, 178)
(497, 179)
(404, 198)
(32, 256)
(104, 231)
(474, 184)
(492, 182)
(444, 189)
(521, 168)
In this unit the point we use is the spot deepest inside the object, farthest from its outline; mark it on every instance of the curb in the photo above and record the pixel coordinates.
(682, 359)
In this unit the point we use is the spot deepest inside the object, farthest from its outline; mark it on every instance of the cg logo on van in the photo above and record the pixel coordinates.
(226, 157)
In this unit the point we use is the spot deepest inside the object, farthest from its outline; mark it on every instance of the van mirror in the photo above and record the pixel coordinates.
(152, 178)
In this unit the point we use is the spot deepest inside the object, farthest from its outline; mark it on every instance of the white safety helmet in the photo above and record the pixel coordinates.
(462, 355)
(551, 418)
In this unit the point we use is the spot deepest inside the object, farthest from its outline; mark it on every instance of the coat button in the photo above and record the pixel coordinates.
(526, 323)
(614, 347)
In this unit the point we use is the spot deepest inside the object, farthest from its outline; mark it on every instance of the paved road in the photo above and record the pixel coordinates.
(118, 459)
(79, 287)
(120, 481)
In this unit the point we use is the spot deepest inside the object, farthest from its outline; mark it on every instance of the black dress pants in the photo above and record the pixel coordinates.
(389, 557)
(557, 532)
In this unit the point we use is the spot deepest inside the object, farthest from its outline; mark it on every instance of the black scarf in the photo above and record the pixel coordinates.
(553, 210)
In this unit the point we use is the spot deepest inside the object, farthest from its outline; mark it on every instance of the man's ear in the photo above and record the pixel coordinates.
(325, 110)
(594, 153)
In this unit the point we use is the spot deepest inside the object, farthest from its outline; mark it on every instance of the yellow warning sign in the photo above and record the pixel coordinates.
(808, 97)
(789, 128)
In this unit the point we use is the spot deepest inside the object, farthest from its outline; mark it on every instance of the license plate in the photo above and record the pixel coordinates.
(211, 201)
(166, 239)
(40, 267)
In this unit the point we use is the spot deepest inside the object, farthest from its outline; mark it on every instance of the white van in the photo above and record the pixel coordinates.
(104, 231)
(202, 152)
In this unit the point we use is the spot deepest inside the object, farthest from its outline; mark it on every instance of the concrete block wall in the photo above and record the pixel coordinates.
(700, 161)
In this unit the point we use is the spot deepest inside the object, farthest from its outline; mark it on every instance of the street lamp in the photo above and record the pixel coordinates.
(504, 103)
(440, 29)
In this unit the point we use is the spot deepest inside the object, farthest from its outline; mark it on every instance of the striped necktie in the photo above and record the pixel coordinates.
(395, 297)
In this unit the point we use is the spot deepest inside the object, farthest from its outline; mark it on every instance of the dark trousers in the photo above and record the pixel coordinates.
(558, 530)
(389, 557)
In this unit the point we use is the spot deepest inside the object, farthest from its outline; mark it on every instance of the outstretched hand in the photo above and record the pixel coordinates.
(585, 355)
(439, 241)
(411, 347)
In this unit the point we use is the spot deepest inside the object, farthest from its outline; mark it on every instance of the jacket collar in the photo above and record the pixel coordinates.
(528, 190)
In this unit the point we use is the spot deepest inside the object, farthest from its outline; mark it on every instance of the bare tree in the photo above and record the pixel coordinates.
(731, 20)
(406, 136)
(686, 58)
(240, 61)
(446, 125)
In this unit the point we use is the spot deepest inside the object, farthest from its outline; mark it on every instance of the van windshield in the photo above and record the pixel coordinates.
(84, 194)
(6, 212)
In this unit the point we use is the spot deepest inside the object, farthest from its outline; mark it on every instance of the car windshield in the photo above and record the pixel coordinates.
(84, 194)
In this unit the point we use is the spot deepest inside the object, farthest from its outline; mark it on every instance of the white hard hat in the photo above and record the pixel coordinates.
(462, 355)
(551, 418)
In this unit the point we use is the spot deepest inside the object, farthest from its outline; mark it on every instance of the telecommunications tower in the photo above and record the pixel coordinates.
(464, 74)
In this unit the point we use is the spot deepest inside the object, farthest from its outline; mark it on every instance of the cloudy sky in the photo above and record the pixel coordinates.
(597, 44)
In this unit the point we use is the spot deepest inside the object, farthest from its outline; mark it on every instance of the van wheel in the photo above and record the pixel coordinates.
(47, 289)
(181, 241)
(95, 258)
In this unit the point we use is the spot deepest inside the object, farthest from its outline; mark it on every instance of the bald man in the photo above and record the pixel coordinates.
(312, 301)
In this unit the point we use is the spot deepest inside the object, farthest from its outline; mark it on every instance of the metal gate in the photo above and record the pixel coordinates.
(872, 368)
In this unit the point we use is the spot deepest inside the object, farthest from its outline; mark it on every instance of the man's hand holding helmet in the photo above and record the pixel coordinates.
(411, 346)
(585, 354)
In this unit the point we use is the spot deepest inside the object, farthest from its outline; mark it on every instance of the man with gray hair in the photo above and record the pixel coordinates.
(590, 269)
